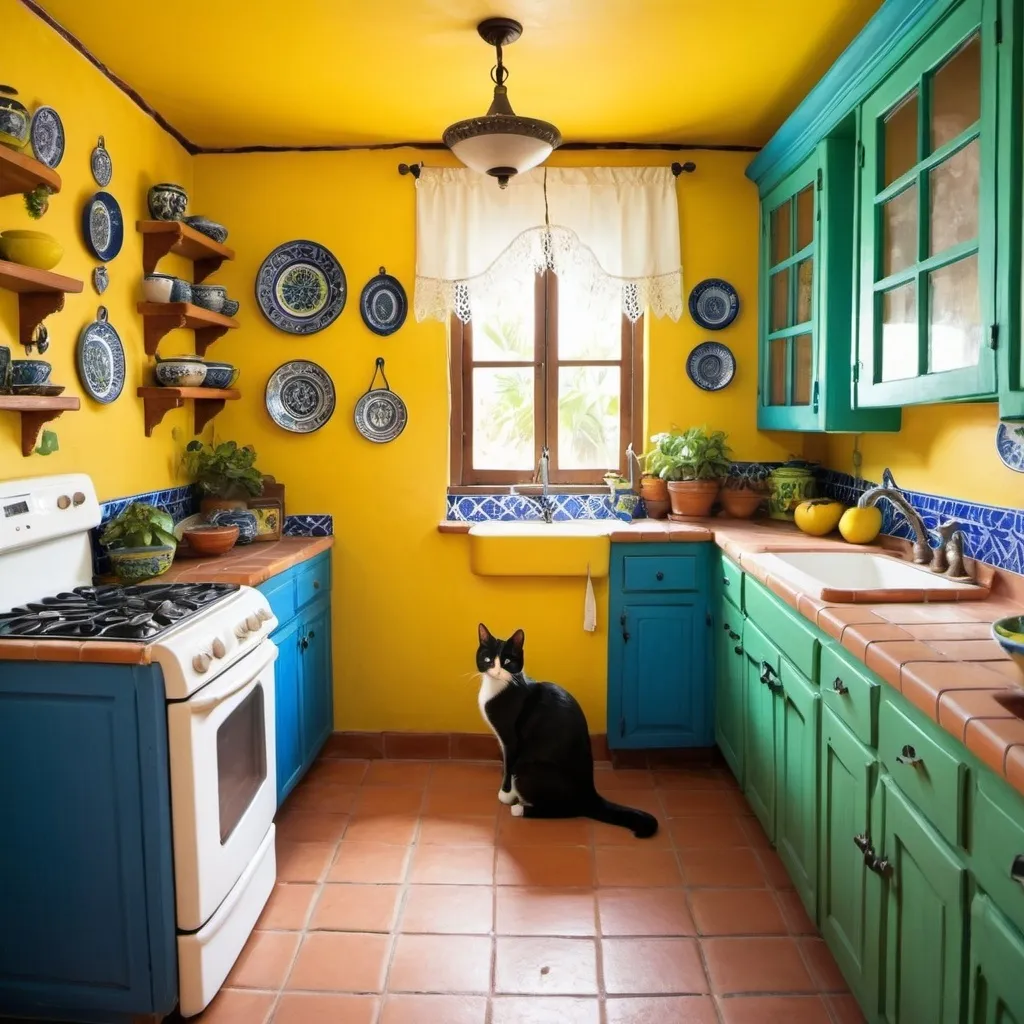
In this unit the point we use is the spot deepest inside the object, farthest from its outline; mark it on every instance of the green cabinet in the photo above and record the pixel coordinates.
(997, 967)
(730, 685)
(761, 678)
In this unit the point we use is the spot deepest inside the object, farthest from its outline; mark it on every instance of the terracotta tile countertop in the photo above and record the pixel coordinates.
(939, 655)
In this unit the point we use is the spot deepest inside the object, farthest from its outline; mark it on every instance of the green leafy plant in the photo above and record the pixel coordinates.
(693, 454)
(47, 443)
(139, 526)
(226, 470)
(37, 202)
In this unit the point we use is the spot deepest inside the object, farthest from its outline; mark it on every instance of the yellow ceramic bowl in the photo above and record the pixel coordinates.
(31, 249)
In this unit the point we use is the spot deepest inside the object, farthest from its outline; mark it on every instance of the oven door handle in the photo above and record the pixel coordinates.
(206, 703)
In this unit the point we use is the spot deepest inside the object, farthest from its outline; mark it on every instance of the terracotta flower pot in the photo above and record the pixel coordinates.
(656, 509)
(740, 503)
(692, 498)
(208, 505)
(653, 488)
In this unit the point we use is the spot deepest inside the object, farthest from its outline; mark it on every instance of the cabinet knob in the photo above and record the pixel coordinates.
(862, 842)
(312, 634)
(738, 649)
(659, 576)
(908, 755)
(1017, 869)
(733, 635)
(726, 582)
(839, 686)
(316, 584)
(303, 644)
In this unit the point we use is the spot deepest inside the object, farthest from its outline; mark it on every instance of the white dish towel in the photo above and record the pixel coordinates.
(589, 606)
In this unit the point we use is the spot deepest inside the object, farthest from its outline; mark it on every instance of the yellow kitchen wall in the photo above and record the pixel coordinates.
(405, 603)
(106, 441)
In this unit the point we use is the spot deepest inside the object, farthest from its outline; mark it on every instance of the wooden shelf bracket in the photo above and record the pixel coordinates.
(33, 309)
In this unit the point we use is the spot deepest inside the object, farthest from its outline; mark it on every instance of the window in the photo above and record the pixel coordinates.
(547, 365)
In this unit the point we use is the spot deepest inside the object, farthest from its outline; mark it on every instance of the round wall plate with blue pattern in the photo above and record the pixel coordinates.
(300, 396)
(100, 164)
(301, 287)
(47, 136)
(380, 415)
(711, 366)
(100, 358)
(714, 304)
(103, 226)
(383, 304)
(1010, 445)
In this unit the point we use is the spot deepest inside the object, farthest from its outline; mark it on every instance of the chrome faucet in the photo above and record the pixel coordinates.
(541, 476)
(542, 502)
(889, 490)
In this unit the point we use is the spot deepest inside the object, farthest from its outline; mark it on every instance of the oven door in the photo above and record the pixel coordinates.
(223, 782)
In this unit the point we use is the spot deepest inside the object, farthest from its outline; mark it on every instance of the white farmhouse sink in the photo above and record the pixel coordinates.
(534, 548)
(860, 575)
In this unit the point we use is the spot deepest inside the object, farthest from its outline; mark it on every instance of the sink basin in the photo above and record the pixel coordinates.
(860, 576)
(536, 548)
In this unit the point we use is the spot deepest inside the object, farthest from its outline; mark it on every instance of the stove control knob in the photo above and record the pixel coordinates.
(218, 648)
(201, 662)
(63, 501)
(264, 615)
(79, 499)
(242, 630)
(252, 623)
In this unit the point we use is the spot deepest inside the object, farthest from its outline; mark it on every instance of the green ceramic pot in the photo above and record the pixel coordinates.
(133, 565)
(791, 483)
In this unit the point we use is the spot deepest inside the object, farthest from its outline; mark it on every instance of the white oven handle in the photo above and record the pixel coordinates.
(267, 656)
(206, 703)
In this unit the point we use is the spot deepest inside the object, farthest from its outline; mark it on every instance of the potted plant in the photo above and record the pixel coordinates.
(692, 462)
(140, 542)
(742, 496)
(225, 473)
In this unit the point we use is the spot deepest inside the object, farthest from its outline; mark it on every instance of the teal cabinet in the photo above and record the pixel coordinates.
(997, 967)
(659, 655)
(318, 677)
(730, 684)
(288, 702)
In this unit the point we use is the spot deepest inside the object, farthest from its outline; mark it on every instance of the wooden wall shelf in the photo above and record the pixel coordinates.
(35, 410)
(21, 173)
(40, 293)
(159, 237)
(208, 402)
(161, 317)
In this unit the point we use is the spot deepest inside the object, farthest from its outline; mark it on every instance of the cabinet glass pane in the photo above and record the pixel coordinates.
(804, 290)
(899, 232)
(804, 217)
(953, 196)
(802, 369)
(780, 233)
(899, 137)
(956, 94)
(899, 333)
(777, 370)
(503, 418)
(779, 317)
(588, 417)
(241, 760)
(954, 321)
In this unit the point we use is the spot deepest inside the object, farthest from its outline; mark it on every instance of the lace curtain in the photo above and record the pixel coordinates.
(611, 229)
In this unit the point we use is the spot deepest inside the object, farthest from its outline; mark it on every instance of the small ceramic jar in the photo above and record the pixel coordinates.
(166, 288)
(14, 119)
(240, 517)
(167, 201)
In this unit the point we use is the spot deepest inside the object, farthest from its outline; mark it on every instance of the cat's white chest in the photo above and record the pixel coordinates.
(489, 689)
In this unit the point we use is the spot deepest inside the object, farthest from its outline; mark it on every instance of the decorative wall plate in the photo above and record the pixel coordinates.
(301, 287)
(711, 366)
(101, 165)
(714, 304)
(1010, 444)
(100, 358)
(300, 396)
(100, 279)
(380, 414)
(47, 136)
(103, 226)
(383, 304)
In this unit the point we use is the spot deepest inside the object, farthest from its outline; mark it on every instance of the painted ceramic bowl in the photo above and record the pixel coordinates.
(230, 307)
(31, 249)
(14, 119)
(167, 201)
(133, 565)
(207, 539)
(180, 373)
(220, 375)
(209, 296)
(208, 227)
(30, 371)
(166, 288)
(1009, 634)
(242, 518)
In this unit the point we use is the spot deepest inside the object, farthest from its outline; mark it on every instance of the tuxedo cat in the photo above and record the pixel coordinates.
(547, 763)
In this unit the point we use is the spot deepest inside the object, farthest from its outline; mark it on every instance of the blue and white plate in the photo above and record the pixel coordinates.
(383, 304)
(300, 396)
(100, 358)
(103, 226)
(47, 135)
(100, 164)
(301, 287)
(714, 304)
(711, 366)
(380, 415)
(1010, 444)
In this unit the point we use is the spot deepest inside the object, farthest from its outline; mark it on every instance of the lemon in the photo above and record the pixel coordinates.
(861, 525)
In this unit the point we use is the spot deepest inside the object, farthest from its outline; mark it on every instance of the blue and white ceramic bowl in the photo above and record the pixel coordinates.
(180, 373)
(166, 288)
(230, 307)
(220, 375)
(240, 517)
(209, 296)
(208, 227)
(167, 201)
(30, 371)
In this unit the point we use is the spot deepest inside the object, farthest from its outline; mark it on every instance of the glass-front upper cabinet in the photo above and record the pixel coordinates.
(927, 330)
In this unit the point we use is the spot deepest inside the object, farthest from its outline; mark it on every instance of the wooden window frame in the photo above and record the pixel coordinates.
(463, 476)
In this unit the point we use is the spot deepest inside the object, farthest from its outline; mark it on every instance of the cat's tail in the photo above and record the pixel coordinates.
(640, 823)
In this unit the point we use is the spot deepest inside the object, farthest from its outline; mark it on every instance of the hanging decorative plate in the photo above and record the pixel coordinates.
(100, 359)
(47, 135)
(103, 226)
(714, 304)
(301, 287)
(383, 304)
(1010, 444)
(300, 396)
(711, 366)
(101, 165)
(380, 414)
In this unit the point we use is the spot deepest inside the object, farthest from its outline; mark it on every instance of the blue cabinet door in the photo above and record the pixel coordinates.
(317, 679)
(288, 705)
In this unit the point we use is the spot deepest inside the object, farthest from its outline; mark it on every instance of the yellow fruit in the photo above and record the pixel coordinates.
(818, 516)
(861, 525)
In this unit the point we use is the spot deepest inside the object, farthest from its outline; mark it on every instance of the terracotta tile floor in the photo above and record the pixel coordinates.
(408, 895)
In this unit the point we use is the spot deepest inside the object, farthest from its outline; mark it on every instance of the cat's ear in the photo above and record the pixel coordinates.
(517, 639)
(484, 633)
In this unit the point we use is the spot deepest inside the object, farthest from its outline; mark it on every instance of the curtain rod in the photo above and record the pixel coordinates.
(677, 168)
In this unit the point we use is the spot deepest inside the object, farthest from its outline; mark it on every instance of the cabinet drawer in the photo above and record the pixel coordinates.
(924, 769)
(732, 582)
(280, 592)
(659, 572)
(789, 632)
(997, 845)
(313, 581)
(758, 648)
(850, 692)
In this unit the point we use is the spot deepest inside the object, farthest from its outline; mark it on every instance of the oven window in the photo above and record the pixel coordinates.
(241, 760)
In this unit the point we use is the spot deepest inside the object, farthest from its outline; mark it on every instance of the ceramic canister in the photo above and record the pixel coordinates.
(791, 483)
(240, 517)
(5, 370)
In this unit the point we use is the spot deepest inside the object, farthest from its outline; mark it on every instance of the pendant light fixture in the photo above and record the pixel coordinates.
(501, 143)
